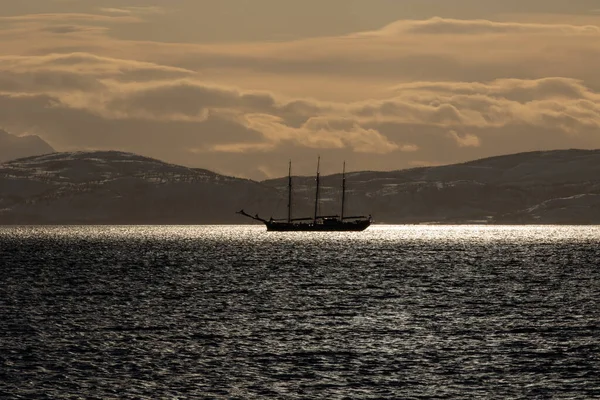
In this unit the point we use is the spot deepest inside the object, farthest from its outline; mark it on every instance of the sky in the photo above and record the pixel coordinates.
(242, 86)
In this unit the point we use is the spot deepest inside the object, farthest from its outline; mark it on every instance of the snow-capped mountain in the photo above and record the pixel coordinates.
(12, 147)
(122, 188)
(119, 188)
(517, 188)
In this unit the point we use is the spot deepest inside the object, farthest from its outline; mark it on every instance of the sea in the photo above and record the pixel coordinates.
(235, 312)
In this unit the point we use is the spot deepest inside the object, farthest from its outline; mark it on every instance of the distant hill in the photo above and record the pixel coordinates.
(545, 187)
(121, 188)
(13, 147)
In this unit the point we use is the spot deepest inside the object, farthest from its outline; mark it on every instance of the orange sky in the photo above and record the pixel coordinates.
(240, 87)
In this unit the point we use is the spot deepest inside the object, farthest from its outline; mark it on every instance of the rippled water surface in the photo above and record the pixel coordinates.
(236, 312)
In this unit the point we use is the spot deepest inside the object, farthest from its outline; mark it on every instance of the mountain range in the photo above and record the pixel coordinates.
(109, 187)
(12, 146)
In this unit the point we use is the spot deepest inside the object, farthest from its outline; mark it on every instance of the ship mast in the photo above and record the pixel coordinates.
(343, 190)
(317, 192)
(290, 194)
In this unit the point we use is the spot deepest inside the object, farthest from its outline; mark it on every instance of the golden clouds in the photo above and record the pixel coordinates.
(466, 140)
(441, 26)
(548, 102)
(321, 133)
(420, 91)
(64, 73)
(69, 17)
(133, 10)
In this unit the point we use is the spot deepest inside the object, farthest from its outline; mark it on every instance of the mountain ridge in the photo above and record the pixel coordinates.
(15, 147)
(112, 187)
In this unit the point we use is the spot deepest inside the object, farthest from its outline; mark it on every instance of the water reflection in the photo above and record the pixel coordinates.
(454, 233)
(238, 312)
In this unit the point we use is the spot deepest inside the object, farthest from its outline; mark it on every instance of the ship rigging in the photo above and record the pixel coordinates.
(316, 222)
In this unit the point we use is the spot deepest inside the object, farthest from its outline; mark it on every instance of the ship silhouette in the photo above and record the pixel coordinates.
(316, 223)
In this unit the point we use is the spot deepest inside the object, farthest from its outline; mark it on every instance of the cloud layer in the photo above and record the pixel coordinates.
(413, 92)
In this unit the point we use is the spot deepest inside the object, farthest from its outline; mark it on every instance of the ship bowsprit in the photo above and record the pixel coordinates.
(316, 223)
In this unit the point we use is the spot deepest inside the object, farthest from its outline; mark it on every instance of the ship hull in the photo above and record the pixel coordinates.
(355, 226)
(332, 223)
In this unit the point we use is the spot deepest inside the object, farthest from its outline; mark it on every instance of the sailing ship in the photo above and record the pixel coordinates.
(327, 223)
